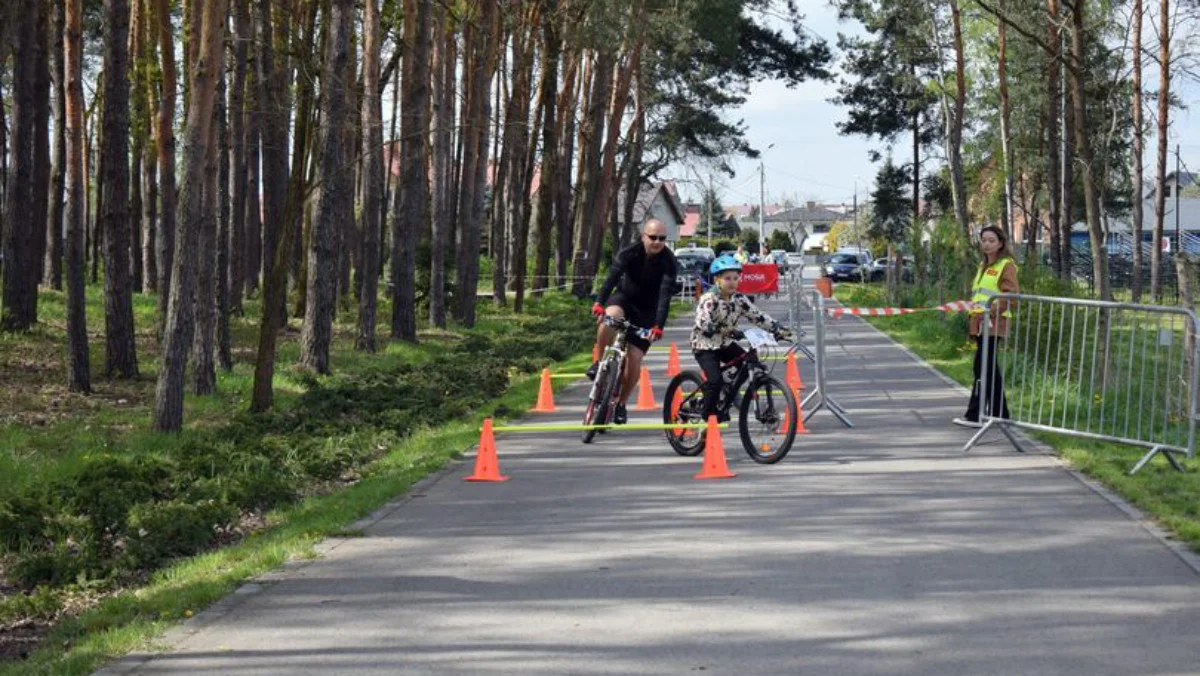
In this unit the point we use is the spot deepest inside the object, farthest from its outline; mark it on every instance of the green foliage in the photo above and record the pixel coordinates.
(724, 245)
(159, 531)
(891, 215)
(780, 240)
(749, 239)
(117, 514)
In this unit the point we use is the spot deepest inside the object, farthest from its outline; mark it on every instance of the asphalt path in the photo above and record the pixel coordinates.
(881, 549)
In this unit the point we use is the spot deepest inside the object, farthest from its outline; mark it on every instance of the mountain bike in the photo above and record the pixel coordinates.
(606, 388)
(767, 409)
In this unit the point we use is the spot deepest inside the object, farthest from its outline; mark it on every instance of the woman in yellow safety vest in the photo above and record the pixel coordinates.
(997, 274)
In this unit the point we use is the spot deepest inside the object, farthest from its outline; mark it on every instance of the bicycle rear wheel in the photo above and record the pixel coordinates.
(599, 406)
(768, 420)
(686, 387)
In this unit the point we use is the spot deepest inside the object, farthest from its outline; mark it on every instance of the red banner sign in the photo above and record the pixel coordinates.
(759, 278)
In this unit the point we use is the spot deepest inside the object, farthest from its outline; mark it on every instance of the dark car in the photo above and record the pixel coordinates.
(693, 267)
(850, 267)
(879, 269)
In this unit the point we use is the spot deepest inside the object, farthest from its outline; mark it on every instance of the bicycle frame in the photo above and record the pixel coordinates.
(747, 363)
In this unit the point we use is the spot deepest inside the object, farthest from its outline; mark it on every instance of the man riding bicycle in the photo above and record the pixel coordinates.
(638, 289)
(715, 330)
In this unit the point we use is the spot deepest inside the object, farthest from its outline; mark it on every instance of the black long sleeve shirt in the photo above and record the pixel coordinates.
(646, 281)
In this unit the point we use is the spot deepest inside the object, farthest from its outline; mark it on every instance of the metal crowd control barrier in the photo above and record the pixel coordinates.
(820, 394)
(794, 283)
(1115, 372)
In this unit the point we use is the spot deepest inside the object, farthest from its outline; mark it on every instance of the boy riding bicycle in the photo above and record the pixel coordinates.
(715, 332)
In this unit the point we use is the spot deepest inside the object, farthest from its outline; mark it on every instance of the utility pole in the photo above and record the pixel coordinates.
(709, 208)
(762, 205)
(1178, 187)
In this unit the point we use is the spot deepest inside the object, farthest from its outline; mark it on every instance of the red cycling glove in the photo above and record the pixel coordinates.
(597, 309)
(655, 334)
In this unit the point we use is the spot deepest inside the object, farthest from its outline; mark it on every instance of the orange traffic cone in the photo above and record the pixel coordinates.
(545, 402)
(715, 466)
(676, 403)
(786, 423)
(793, 374)
(487, 467)
(645, 400)
(673, 361)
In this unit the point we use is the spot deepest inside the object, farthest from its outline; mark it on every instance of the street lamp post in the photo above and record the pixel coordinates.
(762, 201)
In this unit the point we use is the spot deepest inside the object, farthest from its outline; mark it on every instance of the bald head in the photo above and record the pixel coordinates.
(654, 236)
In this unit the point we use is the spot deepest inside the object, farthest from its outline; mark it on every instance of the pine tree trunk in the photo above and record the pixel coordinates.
(547, 183)
(1083, 148)
(168, 404)
(120, 345)
(41, 151)
(518, 129)
(165, 136)
(135, 217)
(607, 185)
(224, 238)
(1067, 193)
(149, 227)
(79, 369)
(958, 181)
(441, 129)
(414, 184)
(1139, 142)
(1005, 129)
(1053, 141)
(482, 66)
(54, 227)
(273, 100)
(254, 264)
(20, 285)
(568, 101)
(1164, 123)
(372, 190)
(335, 206)
(454, 163)
(587, 186)
(97, 144)
(243, 33)
(204, 370)
(137, 128)
(298, 210)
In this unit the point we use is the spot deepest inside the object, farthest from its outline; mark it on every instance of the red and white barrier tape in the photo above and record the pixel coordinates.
(953, 306)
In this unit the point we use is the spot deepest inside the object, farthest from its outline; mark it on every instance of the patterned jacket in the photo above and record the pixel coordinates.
(716, 320)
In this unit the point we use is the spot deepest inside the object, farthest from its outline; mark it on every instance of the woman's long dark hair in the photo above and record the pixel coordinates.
(1005, 248)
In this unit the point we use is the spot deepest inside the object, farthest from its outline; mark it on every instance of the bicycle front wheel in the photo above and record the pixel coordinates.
(600, 404)
(682, 403)
(768, 420)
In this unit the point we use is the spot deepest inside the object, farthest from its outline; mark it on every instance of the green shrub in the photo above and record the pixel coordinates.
(123, 513)
(160, 531)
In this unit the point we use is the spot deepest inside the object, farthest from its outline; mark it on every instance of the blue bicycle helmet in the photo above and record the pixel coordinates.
(724, 263)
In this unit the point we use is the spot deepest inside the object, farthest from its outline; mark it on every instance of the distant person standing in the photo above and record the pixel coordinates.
(997, 274)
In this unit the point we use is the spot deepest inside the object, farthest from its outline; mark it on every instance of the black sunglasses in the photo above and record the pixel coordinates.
(657, 238)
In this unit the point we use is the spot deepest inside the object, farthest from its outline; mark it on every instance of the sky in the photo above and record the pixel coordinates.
(810, 160)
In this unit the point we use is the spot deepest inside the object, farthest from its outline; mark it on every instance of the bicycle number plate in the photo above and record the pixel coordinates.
(759, 338)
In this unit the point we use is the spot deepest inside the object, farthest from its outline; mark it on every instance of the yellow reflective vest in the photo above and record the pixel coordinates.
(987, 284)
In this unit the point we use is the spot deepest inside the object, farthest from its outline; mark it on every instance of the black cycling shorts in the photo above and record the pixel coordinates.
(639, 319)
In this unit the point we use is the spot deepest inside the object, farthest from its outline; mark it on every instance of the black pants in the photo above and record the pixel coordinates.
(711, 361)
(998, 407)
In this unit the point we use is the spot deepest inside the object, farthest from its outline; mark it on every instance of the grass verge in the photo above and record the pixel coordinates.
(1172, 498)
(335, 448)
